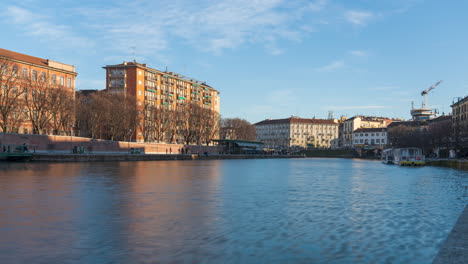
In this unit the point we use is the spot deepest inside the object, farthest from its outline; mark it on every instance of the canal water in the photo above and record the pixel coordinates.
(230, 211)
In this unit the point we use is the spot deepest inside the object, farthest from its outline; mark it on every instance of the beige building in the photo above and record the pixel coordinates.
(356, 122)
(460, 121)
(297, 132)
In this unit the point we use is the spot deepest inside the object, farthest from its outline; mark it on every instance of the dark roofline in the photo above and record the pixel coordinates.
(296, 120)
(460, 101)
(363, 130)
(369, 118)
(237, 141)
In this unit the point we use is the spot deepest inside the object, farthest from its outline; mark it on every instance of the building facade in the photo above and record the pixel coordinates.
(376, 137)
(356, 122)
(460, 122)
(297, 132)
(163, 90)
(28, 83)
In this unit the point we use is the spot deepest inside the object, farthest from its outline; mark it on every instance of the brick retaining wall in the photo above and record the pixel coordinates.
(66, 143)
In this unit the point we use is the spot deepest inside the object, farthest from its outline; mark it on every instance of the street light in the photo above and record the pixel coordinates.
(128, 142)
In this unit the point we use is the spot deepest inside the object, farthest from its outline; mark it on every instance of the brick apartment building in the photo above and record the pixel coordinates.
(164, 90)
(23, 77)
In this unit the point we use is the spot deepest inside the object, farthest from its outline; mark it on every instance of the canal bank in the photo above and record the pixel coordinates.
(455, 164)
(455, 248)
(46, 157)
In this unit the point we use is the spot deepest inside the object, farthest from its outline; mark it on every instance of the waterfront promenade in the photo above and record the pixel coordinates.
(455, 248)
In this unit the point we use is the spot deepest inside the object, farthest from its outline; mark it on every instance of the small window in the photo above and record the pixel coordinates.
(139, 72)
(139, 92)
(43, 76)
(15, 70)
(62, 80)
(25, 73)
(139, 82)
(68, 82)
(4, 69)
(34, 75)
(54, 79)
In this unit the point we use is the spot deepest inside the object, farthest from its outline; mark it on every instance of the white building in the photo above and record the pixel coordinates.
(370, 137)
(298, 132)
(356, 122)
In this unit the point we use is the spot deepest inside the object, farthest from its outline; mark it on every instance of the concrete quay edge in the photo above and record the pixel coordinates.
(37, 157)
(455, 248)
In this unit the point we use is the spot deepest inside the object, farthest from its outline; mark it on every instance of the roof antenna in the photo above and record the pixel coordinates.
(133, 53)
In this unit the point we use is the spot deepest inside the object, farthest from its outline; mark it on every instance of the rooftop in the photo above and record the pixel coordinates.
(370, 118)
(35, 60)
(460, 101)
(170, 74)
(296, 120)
(367, 130)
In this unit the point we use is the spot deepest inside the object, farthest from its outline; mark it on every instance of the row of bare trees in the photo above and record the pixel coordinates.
(106, 116)
(118, 117)
(442, 134)
(188, 123)
(35, 100)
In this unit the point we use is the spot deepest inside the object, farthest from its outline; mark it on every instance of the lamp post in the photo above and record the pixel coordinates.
(128, 142)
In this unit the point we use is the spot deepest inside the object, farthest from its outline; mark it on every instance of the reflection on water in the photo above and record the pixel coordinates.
(232, 211)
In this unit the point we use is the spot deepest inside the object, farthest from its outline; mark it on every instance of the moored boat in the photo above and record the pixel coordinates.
(404, 156)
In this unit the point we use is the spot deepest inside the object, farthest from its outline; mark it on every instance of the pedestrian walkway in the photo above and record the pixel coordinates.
(455, 248)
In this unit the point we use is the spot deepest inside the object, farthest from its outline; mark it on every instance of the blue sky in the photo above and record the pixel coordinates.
(268, 58)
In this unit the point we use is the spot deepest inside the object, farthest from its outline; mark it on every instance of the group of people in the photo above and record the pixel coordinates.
(181, 151)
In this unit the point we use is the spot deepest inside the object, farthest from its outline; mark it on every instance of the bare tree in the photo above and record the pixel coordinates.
(40, 102)
(62, 110)
(210, 125)
(236, 128)
(11, 96)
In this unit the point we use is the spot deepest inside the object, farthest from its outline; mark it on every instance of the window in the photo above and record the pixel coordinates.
(139, 82)
(15, 70)
(54, 79)
(43, 76)
(62, 80)
(139, 92)
(372, 134)
(25, 73)
(139, 72)
(34, 75)
(4, 69)
(69, 82)
(367, 135)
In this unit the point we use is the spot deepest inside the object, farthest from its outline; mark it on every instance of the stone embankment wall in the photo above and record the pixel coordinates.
(455, 164)
(65, 144)
(147, 157)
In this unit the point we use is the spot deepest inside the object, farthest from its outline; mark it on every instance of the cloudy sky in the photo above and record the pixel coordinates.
(268, 58)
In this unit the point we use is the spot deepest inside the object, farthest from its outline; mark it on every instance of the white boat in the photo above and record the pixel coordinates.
(403, 156)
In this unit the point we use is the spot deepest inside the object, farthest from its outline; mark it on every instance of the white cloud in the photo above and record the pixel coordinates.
(332, 66)
(384, 88)
(355, 107)
(41, 27)
(209, 25)
(359, 17)
(359, 53)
